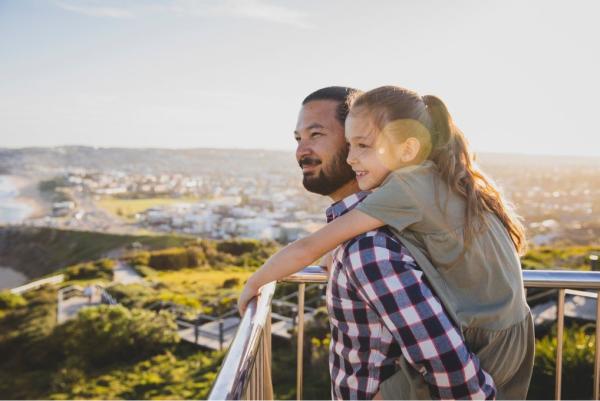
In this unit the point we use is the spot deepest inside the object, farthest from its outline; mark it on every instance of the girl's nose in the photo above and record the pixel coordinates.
(351, 159)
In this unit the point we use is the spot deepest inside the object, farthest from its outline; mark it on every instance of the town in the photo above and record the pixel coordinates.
(223, 194)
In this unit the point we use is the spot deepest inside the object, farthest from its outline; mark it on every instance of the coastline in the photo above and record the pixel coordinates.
(28, 195)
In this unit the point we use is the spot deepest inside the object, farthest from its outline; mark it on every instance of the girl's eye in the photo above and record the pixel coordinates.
(362, 145)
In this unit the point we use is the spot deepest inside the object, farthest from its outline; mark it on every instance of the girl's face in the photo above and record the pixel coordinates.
(367, 152)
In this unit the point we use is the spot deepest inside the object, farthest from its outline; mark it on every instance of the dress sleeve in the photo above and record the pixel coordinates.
(395, 203)
(387, 279)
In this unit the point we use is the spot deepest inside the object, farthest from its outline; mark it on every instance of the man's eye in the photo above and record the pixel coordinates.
(315, 134)
(297, 139)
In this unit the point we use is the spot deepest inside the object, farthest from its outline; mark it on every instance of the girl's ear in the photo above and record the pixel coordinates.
(409, 150)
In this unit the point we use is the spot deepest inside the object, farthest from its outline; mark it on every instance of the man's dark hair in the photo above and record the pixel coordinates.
(341, 94)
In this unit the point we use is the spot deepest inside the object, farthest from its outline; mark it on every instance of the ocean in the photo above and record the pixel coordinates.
(11, 210)
(10, 278)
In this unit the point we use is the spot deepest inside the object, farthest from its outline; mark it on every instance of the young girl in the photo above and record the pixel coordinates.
(446, 213)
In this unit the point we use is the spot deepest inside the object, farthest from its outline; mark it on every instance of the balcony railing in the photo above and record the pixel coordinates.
(246, 371)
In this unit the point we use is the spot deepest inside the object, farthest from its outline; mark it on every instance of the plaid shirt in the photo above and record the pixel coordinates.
(381, 308)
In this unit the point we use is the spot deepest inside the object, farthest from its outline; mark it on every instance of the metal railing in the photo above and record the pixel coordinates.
(57, 279)
(66, 293)
(239, 362)
(246, 370)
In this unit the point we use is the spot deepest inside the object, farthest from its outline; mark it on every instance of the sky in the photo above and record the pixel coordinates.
(517, 76)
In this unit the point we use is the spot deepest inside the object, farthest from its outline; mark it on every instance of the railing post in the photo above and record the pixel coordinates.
(597, 351)
(220, 334)
(559, 342)
(196, 321)
(594, 262)
(300, 338)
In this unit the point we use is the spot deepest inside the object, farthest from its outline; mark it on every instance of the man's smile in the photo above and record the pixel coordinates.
(308, 165)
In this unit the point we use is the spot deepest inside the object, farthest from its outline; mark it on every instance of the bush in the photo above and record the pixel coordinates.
(139, 258)
(238, 247)
(133, 295)
(144, 271)
(9, 300)
(176, 258)
(164, 376)
(100, 269)
(578, 364)
(231, 282)
(109, 334)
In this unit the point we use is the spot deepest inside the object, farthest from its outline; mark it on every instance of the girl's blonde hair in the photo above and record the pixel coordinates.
(448, 149)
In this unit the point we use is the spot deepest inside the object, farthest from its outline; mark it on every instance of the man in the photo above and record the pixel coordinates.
(382, 311)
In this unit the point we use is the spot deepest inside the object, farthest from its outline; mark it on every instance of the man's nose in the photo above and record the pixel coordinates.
(302, 150)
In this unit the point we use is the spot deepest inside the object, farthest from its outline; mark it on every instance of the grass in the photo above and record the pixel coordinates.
(203, 280)
(128, 208)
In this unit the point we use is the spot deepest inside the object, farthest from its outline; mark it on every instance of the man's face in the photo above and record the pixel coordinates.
(322, 148)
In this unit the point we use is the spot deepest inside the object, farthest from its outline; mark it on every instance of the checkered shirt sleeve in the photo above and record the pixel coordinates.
(389, 281)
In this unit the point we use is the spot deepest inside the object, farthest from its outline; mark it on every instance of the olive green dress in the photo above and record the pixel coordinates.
(479, 281)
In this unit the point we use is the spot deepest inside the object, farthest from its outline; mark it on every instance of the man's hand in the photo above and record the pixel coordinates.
(249, 292)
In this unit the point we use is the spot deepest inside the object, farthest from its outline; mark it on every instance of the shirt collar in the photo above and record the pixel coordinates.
(345, 205)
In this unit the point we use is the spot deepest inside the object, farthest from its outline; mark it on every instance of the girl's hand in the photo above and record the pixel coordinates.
(327, 261)
(249, 292)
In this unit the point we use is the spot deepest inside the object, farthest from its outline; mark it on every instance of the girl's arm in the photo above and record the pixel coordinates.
(295, 256)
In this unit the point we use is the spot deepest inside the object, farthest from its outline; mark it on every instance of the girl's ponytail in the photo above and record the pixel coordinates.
(457, 168)
(440, 120)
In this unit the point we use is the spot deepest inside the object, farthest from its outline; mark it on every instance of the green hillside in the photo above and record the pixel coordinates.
(38, 251)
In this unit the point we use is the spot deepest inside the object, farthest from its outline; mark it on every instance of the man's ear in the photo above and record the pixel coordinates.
(409, 150)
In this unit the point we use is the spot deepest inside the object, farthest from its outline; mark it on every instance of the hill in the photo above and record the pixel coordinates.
(38, 251)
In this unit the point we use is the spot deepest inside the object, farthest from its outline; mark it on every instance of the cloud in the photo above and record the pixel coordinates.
(264, 10)
(258, 9)
(94, 10)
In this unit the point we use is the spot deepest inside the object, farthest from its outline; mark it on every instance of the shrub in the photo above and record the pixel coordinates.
(9, 300)
(133, 295)
(578, 364)
(176, 258)
(109, 334)
(139, 258)
(145, 271)
(238, 247)
(231, 282)
(100, 269)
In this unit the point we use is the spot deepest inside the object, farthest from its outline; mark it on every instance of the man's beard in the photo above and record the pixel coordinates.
(330, 178)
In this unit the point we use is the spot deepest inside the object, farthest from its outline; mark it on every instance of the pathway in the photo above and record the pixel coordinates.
(125, 274)
(71, 300)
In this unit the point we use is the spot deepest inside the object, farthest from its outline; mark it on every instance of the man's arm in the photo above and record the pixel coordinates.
(389, 283)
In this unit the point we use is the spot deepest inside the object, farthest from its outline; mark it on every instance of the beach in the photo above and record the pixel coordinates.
(19, 199)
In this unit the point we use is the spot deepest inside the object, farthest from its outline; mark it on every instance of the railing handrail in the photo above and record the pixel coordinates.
(236, 369)
(558, 279)
(234, 374)
(57, 279)
(572, 279)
